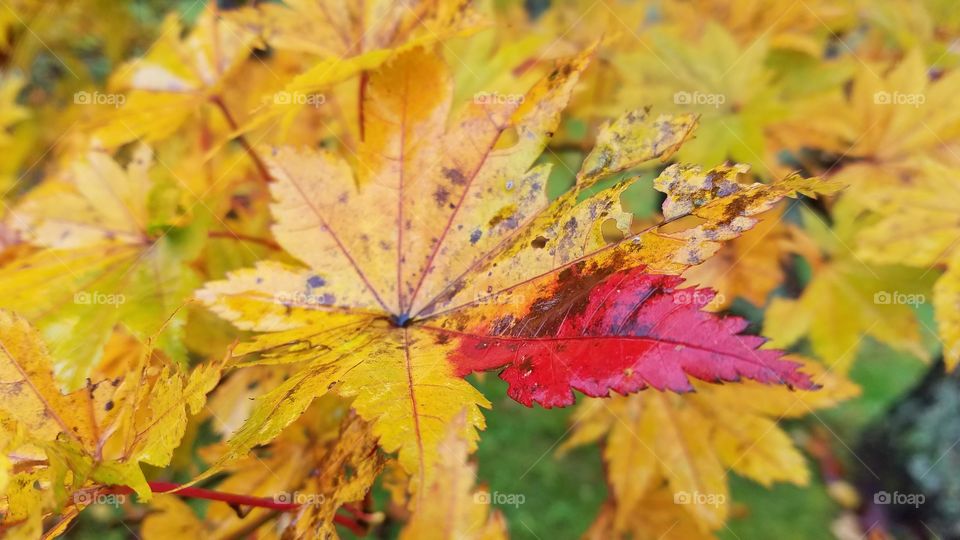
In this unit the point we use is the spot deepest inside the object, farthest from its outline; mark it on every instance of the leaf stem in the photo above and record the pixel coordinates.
(229, 498)
(236, 499)
(261, 166)
(266, 242)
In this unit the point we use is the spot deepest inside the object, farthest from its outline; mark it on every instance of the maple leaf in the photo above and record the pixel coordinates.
(463, 229)
(100, 433)
(748, 267)
(109, 254)
(893, 124)
(846, 297)
(303, 466)
(453, 508)
(795, 27)
(661, 518)
(649, 331)
(895, 27)
(348, 39)
(892, 117)
(914, 224)
(354, 450)
(946, 305)
(11, 114)
(733, 90)
(330, 29)
(692, 440)
(171, 518)
(177, 76)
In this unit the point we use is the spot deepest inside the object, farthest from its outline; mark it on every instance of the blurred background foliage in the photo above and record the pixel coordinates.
(783, 56)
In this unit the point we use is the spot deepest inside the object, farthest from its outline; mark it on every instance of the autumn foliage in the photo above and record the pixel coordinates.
(267, 259)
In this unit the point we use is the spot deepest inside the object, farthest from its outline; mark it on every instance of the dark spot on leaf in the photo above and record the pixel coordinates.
(455, 176)
(441, 195)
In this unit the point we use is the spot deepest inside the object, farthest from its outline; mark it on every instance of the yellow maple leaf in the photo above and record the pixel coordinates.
(658, 517)
(946, 304)
(893, 115)
(915, 224)
(803, 27)
(100, 434)
(895, 26)
(328, 28)
(303, 466)
(453, 509)
(176, 77)
(847, 299)
(732, 89)
(102, 246)
(692, 441)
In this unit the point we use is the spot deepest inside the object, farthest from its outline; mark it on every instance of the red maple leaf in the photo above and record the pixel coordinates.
(625, 332)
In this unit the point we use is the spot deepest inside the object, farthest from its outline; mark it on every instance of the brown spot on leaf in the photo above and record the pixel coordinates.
(455, 176)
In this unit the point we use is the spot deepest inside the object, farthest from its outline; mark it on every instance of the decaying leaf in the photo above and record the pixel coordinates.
(466, 265)
(99, 434)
